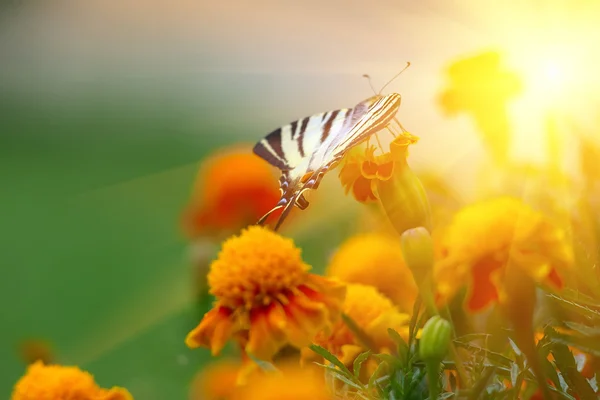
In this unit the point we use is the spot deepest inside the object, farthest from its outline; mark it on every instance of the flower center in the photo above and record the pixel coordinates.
(256, 268)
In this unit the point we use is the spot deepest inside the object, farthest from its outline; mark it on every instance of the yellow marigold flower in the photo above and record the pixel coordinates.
(294, 383)
(234, 188)
(55, 382)
(216, 382)
(480, 86)
(374, 314)
(265, 296)
(484, 238)
(376, 260)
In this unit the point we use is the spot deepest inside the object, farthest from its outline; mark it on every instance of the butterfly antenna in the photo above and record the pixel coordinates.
(395, 76)
(370, 82)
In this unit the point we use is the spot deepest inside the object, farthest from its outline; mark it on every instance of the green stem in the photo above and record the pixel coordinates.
(433, 375)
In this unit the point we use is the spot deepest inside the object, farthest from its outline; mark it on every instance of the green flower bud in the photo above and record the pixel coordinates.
(404, 200)
(417, 249)
(435, 339)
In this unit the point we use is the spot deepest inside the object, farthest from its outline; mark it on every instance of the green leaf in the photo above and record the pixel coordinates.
(580, 308)
(550, 371)
(482, 384)
(566, 364)
(471, 337)
(376, 374)
(359, 333)
(412, 327)
(392, 361)
(580, 298)
(332, 359)
(358, 362)
(585, 344)
(401, 345)
(337, 374)
(492, 355)
(584, 329)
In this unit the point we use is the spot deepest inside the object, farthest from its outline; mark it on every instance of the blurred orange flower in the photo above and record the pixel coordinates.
(376, 260)
(36, 350)
(374, 314)
(293, 383)
(234, 188)
(216, 382)
(485, 238)
(265, 296)
(55, 382)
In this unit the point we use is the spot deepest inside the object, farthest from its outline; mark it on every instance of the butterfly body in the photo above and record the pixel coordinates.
(306, 149)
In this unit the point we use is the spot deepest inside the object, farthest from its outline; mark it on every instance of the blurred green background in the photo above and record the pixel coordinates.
(92, 257)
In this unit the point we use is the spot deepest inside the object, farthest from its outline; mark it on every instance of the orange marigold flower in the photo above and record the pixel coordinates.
(294, 383)
(374, 314)
(376, 260)
(216, 382)
(265, 296)
(233, 189)
(55, 382)
(388, 179)
(485, 238)
(362, 168)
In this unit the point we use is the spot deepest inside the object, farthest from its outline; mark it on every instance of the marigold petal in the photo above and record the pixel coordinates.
(385, 170)
(213, 331)
(362, 190)
(267, 332)
(483, 290)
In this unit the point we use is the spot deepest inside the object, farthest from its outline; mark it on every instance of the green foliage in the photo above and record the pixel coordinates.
(499, 374)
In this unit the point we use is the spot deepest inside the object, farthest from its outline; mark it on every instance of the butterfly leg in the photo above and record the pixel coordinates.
(400, 125)
(302, 203)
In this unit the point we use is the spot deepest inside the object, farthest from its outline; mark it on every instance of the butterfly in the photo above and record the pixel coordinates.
(304, 150)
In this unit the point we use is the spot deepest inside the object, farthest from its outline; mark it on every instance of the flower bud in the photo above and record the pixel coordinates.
(435, 339)
(418, 253)
(404, 200)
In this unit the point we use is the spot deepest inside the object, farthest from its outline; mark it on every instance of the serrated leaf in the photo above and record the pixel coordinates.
(412, 326)
(389, 359)
(514, 374)
(401, 345)
(585, 344)
(492, 355)
(481, 384)
(378, 371)
(566, 364)
(582, 309)
(332, 359)
(580, 298)
(550, 371)
(446, 395)
(337, 374)
(358, 362)
(471, 337)
(584, 329)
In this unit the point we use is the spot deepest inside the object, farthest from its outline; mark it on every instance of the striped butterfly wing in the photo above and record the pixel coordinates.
(305, 150)
(379, 112)
(290, 147)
